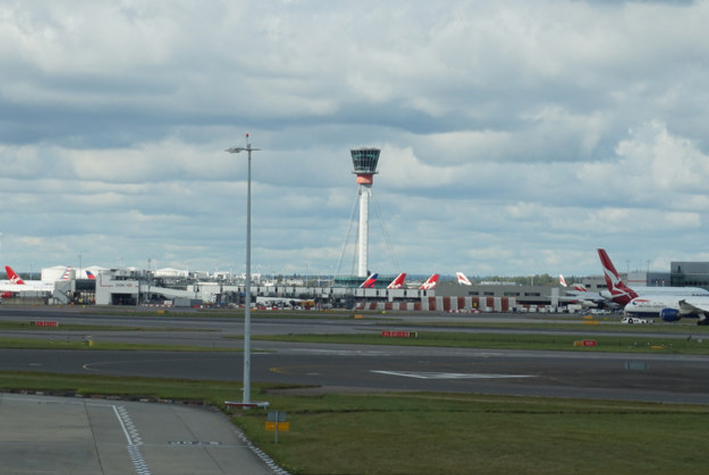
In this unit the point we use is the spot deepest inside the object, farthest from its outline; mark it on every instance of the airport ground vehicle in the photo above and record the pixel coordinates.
(634, 320)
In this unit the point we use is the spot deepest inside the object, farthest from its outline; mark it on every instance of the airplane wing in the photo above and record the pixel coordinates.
(695, 306)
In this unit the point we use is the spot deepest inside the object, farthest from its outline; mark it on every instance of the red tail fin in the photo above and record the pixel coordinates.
(398, 282)
(430, 283)
(13, 277)
(620, 292)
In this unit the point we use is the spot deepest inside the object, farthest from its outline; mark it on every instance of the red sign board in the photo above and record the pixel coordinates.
(391, 334)
(44, 323)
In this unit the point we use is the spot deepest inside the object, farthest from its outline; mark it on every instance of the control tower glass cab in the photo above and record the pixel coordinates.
(365, 161)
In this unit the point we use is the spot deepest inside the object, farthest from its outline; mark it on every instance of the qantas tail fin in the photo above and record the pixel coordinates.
(13, 277)
(369, 283)
(430, 283)
(398, 282)
(462, 280)
(617, 288)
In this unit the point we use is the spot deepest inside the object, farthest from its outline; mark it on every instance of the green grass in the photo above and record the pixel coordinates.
(517, 341)
(456, 434)
(26, 325)
(85, 344)
(428, 433)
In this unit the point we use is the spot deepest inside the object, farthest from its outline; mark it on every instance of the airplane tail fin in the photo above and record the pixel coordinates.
(67, 272)
(430, 283)
(576, 287)
(369, 283)
(398, 282)
(13, 277)
(615, 283)
(462, 280)
(90, 275)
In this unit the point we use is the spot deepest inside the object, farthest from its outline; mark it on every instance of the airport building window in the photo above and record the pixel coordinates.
(474, 293)
(512, 294)
(532, 294)
(489, 294)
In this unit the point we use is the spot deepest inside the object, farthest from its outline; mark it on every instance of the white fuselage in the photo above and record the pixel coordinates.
(651, 305)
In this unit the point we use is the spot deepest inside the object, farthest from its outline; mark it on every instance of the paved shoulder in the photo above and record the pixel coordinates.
(53, 435)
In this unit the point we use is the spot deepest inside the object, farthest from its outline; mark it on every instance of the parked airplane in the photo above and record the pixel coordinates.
(575, 287)
(580, 295)
(16, 284)
(369, 283)
(397, 283)
(668, 303)
(462, 280)
(430, 283)
(620, 293)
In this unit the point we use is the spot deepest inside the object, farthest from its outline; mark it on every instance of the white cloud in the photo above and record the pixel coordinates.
(516, 136)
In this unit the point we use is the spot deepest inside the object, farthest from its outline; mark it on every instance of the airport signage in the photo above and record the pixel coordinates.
(585, 343)
(44, 323)
(394, 334)
(277, 422)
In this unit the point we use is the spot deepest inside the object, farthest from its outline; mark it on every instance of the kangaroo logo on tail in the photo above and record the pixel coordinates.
(620, 293)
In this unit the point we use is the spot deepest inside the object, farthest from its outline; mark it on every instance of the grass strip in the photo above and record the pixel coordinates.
(512, 341)
(424, 433)
(85, 344)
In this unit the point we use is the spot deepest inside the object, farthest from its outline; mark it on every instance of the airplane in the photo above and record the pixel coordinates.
(430, 283)
(369, 283)
(90, 275)
(575, 287)
(670, 308)
(620, 293)
(397, 283)
(581, 295)
(462, 280)
(668, 303)
(16, 284)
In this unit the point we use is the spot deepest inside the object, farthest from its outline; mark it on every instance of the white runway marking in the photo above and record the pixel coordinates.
(435, 375)
(134, 440)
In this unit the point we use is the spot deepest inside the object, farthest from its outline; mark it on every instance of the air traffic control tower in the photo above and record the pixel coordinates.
(365, 161)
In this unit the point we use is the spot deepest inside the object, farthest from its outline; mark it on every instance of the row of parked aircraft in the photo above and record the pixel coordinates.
(399, 282)
(15, 283)
(668, 303)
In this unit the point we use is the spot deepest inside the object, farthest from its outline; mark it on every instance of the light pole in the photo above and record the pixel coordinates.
(247, 311)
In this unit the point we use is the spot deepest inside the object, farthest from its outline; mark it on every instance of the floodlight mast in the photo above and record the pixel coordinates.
(247, 310)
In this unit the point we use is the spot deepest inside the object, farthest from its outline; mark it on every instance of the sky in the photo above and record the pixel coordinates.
(516, 137)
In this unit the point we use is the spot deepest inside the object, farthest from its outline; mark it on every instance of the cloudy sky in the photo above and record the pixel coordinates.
(516, 136)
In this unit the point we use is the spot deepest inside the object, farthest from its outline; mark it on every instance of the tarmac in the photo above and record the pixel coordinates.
(57, 435)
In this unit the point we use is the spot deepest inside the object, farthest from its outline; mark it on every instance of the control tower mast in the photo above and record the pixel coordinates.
(365, 161)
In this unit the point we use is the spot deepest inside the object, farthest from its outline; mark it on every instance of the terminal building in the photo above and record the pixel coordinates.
(172, 287)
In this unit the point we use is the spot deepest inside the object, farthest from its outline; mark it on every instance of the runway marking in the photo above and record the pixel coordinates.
(436, 375)
(134, 440)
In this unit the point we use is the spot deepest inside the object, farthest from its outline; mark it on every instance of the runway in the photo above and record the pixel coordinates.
(647, 377)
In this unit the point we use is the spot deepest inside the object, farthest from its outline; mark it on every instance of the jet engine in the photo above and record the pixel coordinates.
(670, 314)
